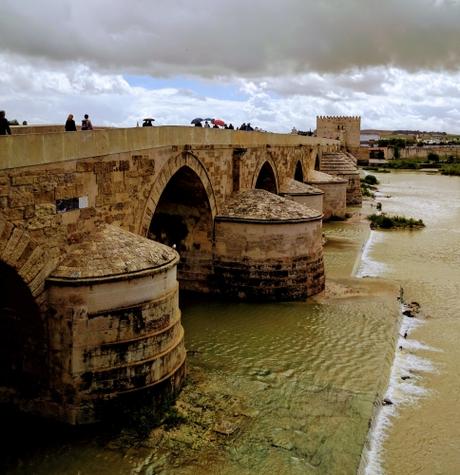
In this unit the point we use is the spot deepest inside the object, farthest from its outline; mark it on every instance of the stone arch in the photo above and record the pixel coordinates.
(266, 177)
(298, 173)
(173, 165)
(23, 340)
(183, 218)
(32, 261)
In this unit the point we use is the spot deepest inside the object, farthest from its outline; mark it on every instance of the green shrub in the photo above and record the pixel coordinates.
(453, 169)
(384, 221)
(433, 157)
(371, 180)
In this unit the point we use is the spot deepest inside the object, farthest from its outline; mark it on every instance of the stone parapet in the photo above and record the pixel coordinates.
(34, 149)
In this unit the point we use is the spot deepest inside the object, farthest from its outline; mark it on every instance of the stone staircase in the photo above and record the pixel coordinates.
(344, 165)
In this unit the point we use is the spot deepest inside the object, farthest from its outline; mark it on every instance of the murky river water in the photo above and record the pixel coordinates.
(290, 388)
(424, 437)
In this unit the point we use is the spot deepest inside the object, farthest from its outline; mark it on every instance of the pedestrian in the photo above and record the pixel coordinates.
(198, 124)
(70, 124)
(4, 124)
(231, 127)
(215, 126)
(243, 126)
(206, 124)
(249, 127)
(86, 123)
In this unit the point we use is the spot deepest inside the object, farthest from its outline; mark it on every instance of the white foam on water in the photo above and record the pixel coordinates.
(400, 392)
(369, 267)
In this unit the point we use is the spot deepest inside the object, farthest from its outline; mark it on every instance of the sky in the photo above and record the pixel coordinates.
(275, 63)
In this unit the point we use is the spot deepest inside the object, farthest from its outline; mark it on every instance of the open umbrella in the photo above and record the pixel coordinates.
(197, 120)
(218, 122)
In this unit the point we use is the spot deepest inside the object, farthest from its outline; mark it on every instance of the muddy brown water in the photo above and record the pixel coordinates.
(290, 388)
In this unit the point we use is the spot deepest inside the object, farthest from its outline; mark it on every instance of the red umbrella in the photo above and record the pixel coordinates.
(218, 122)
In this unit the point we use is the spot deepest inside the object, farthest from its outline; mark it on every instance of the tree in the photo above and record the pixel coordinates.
(433, 157)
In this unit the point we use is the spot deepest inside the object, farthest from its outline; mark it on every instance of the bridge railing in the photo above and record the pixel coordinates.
(41, 148)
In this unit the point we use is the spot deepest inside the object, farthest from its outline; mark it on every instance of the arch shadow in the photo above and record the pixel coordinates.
(265, 178)
(298, 174)
(23, 344)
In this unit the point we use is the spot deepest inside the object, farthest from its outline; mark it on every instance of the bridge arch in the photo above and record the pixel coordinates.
(266, 178)
(298, 173)
(165, 175)
(23, 340)
(183, 218)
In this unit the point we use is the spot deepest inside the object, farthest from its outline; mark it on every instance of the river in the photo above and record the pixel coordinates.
(290, 388)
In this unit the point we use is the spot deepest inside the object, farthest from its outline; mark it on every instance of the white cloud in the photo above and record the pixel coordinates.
(394, 62)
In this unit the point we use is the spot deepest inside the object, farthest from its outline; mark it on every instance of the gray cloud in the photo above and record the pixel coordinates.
(245, 38)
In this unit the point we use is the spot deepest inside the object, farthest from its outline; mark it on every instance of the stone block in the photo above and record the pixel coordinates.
(65, 192)
(23, 180)
(19, 198)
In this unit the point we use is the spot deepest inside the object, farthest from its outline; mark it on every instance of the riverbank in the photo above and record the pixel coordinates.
(445, 168)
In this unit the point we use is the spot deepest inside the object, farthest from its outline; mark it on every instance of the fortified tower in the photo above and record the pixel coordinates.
(344, 128)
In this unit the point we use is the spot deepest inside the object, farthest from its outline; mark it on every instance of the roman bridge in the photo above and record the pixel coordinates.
(99, 229)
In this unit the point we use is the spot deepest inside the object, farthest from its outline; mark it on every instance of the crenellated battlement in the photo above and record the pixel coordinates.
(335, 118)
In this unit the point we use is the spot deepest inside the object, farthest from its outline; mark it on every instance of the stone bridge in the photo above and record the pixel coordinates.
(99, 229)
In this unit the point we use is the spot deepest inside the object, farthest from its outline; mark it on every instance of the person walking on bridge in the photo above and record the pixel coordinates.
(70, 124)
(4, 124)
(86, 123)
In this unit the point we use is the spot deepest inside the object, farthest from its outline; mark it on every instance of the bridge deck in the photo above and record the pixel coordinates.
(38, 149)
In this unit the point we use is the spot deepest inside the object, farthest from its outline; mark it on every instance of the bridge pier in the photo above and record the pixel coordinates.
(114, 325)
(268, 248)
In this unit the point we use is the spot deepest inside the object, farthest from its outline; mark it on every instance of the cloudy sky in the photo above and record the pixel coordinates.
(275, 63)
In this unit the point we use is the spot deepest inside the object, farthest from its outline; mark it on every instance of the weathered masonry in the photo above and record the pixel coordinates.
(100, 229)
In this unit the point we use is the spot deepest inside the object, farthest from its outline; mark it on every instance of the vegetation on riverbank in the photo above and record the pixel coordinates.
(368, 185)
(450, 166)
(451, 169)
(384, 221)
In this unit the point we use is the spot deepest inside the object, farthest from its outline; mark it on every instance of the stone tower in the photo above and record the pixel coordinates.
(343, 128)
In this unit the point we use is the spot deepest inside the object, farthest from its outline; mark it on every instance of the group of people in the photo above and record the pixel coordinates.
(243, 126)
(70, 125)
(86, 124)
(214, 126)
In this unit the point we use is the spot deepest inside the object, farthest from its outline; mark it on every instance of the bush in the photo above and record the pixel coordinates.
(433, 157)
(384, 221)
(453, 170)
(371, 180)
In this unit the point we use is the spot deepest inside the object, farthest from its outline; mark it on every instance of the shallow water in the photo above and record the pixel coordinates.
(298, 381)
(424, 437)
